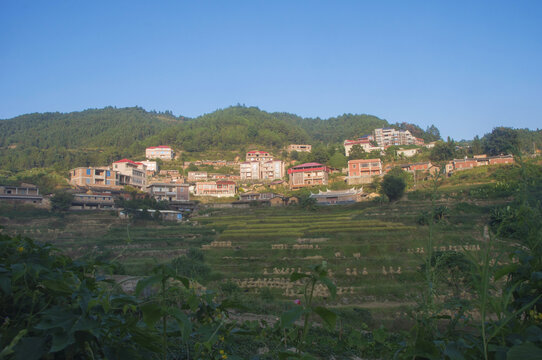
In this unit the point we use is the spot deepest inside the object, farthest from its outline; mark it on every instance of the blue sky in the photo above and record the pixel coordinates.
(465, 66)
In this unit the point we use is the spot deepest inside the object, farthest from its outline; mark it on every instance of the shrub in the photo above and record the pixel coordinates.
(393, 187)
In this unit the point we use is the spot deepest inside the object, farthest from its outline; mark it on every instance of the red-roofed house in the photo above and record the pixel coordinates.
(363, 142)
(309, 174)
(159, 152)
(257, 155)
(131, 173)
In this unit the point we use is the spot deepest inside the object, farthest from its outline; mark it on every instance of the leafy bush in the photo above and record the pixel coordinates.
(393, 187)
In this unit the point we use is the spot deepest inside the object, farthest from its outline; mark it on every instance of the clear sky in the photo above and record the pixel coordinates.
(465, 66)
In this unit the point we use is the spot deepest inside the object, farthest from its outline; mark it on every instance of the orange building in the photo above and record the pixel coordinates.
(364, 167)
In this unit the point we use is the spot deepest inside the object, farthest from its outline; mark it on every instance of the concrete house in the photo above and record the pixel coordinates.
(308, 174)
(23, 194)
(94, 176)
(159, 152)
(102, 201)
(337, 197)
(131, 173)
(221, 188)
(169, 191)
(299, 148)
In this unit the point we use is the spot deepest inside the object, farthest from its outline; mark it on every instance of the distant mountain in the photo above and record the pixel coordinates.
(99, 136)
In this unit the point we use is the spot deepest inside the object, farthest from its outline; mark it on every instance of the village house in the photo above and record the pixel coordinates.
(165, 215)
(194, 176)
(131, 173)
(361, 171)
(469, 163)
(364, 167)
(152, 167)
(260, 165)
(389, 137)
(337, 197)
(100, 201)
(426, 166)
(257, 155)
(308, 174)
(220, 188)
(23, 194)
(169, 191)
(365, 142)
(250, 170)
(254, 196)
(407, 152)
(299, 148)
(159, 152)
(502, 159)
(94, 176)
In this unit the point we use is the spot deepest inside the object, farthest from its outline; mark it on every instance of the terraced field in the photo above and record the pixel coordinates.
(374, 251)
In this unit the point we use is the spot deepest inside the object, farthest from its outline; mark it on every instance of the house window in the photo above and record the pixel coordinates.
(108, 173)
(108, 182)
(353, 166)
(88, 171)
(88, 181)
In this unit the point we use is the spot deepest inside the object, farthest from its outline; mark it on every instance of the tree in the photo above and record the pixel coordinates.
(393, 186)
(476, 146)
(431, 133)
(61, 201)
(338, 161)
(319, 154)
(501, 140)
(442, 151)
(357, 152)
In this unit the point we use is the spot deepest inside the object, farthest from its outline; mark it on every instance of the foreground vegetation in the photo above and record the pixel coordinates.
(472, 292)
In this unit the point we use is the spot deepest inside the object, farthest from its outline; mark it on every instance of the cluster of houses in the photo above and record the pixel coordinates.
(98, 187)
(382, 138)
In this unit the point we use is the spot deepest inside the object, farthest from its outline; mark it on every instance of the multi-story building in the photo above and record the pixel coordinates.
(250, 170)
(299, 148)
(389, 136)
(93, 176)
(131, 173)
(260, 165)
(169, 191)
(364, 167)
(308, 174)
(257, 155)
(221, 188)
(159, 152)
(272, 170)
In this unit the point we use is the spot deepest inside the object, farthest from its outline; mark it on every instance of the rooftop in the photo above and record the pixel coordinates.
(160, 147)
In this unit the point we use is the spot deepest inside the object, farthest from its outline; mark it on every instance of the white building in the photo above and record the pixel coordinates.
(159, 152)
(151, 165)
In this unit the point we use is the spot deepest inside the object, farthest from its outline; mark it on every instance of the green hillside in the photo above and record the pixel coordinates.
(94, 136)
(98, 136)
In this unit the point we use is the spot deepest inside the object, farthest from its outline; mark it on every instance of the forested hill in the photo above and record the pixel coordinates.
(98, 136)
(93, 136)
